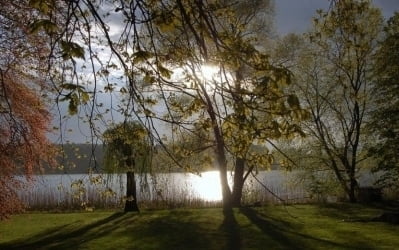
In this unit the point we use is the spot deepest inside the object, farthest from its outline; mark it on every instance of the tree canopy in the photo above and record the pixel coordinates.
(24, 116)
(127, 148)
(159, 53)
(333, 68)
(385, 116)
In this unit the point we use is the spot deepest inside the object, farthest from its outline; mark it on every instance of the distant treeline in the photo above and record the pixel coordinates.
(77, 159)
(83, 158)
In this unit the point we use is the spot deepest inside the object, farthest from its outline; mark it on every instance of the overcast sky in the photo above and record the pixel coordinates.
(296, 15)
(290, 16)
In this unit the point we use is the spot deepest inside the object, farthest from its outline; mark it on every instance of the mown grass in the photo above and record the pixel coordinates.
(340, 226)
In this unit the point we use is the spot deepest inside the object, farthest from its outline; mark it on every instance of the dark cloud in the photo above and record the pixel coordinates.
(296, 15)
(388, 7)
(293, 16)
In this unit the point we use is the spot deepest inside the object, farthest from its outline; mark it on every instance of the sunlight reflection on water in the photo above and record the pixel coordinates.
(207, 186)
(50, 190)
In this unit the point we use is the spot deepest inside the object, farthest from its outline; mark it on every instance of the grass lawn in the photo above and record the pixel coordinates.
(339, 226)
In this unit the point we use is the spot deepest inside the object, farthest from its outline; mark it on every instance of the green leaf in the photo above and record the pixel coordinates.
(41, 5)
(148, 112)
(109, 88)
(84, 97)
(71, 49)
(141, 56)
(164, 71)
(48, 26)
(293, 101)
(149, 79)
(123, 90)
(71, 86)
(73, 104)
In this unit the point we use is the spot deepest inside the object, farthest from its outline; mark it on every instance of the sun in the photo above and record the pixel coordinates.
(207, 186)
(209, 72)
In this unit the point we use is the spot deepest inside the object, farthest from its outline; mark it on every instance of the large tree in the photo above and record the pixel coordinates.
(160, 52)
(24, 118)
(385, 121)
(333, 67)
(242, 104)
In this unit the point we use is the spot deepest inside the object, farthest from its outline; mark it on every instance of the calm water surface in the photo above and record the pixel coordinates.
(52, 190)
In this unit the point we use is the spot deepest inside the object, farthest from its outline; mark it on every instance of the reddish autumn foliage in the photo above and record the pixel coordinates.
(23, 115)
(23, 143)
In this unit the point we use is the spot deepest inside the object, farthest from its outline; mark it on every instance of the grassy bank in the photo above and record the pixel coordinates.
(274, 227)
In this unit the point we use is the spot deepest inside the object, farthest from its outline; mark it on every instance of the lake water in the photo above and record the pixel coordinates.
(106, 190)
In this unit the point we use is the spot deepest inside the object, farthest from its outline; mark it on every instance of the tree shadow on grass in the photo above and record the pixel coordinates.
(358, 212)
(161, 230)
(65, 237)
(345, 211)
(173, 229)
(286, 235)
(231, 229)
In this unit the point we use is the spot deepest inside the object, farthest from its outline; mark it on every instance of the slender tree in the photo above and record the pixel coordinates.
(334, 74)
(242, 104)
(127, 149)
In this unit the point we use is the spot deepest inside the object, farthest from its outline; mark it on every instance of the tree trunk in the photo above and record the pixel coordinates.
(219, 151)
(226, 192)
(131, 197)
(222, 165)
(352, 182)
(352, 190)
(238, 182)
